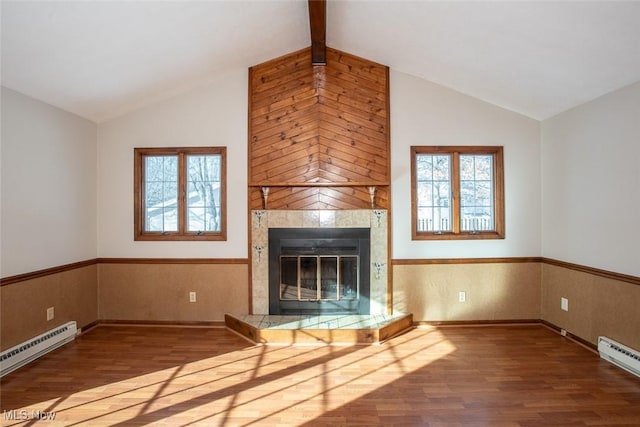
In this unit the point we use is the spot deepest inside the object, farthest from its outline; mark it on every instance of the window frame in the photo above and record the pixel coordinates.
(498, 192)
(140, 234)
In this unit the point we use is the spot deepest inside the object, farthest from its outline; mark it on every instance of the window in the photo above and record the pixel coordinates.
(457, 193)
(180, 193)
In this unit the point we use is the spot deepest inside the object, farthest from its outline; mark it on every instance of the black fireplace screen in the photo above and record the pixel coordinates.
(318, 271)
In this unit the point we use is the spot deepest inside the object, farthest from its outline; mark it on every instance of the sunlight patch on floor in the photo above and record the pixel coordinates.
(229, 389)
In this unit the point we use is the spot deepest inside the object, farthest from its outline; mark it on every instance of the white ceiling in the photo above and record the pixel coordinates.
(103, 59)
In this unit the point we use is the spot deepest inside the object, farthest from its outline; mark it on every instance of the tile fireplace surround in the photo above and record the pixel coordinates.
(263, 220)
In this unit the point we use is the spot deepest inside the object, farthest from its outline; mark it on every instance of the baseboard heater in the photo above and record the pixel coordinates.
(620, 355)
(20, 355)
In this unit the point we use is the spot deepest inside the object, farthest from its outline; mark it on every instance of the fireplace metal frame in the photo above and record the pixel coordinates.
(319, 241)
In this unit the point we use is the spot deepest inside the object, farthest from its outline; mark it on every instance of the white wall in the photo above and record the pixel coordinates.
(48, 186)
(424, 113)
(213, 115)
(587, 193)
(591, 183)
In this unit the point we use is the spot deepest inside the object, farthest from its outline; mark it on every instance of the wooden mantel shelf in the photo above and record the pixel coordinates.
(319, 184)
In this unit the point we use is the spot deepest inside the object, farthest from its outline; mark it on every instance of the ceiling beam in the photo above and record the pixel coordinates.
(318, 25)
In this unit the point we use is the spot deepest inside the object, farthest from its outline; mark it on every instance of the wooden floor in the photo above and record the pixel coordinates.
(524, 375)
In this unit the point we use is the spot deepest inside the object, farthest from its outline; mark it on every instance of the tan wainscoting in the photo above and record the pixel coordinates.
(122, 289)
(598, 304)
(155, 291)
(134, 290)
(72, 291)
(496, 289)
(504, 289)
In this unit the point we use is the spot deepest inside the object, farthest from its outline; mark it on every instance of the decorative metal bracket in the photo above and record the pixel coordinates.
(372, 195)
(265, 196)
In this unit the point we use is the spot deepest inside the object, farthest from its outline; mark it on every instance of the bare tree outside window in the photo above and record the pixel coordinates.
(457, 193)
(476, 193)
(434, 192)
(180, 193)
(202, 193)
(161, 193)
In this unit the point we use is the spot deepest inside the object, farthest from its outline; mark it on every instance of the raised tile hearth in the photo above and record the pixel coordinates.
(300, 329)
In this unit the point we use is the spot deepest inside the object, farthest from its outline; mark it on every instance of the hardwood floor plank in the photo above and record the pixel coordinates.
(524, 375)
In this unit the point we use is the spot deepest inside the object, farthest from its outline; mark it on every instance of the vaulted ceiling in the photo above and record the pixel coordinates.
(103, 59)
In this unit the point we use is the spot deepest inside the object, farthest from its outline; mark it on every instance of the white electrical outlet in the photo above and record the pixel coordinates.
(564, 304)
(50, 313)
(462, 296)
(192, 296)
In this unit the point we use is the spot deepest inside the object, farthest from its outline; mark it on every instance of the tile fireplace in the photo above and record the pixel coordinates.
(319, 261)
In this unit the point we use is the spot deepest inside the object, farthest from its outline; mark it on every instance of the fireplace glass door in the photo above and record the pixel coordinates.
(319, 277)
(319, 271)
